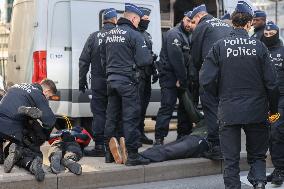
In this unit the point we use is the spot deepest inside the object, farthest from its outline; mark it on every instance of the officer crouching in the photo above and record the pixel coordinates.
(239, 72)
(123, 51)
(19, 110)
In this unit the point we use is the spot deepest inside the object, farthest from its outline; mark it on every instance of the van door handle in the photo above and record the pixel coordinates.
(18, 67)
(67, 48)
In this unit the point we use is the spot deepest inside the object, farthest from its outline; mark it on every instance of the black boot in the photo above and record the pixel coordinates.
(108, 156)
(97, 151)
(214, 153)
(55, 160)
(72, 166)
(32, 112)
(145, 140)
(159, 142)
(15, 154)
(36, 169)
(134, 158)
(276, 177)
(259, 185)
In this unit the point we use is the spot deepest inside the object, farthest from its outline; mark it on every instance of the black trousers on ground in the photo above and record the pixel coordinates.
(123, 103)
(69, 150)
(191, 146)
(277, 141)
(168, 102)
(145, 96)
(98, 108)
(210, 109)
(257, 137)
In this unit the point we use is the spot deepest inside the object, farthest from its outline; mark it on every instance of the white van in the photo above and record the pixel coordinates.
(47, 38)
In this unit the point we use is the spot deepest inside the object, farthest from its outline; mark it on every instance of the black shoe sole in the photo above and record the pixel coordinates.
(72, 166)
(148, 142)
(55, 165)
(13, 157)
(32, 112)
(37, 170)
(134, 162)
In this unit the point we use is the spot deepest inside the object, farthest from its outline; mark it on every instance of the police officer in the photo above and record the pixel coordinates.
(145, 75)
(276, 49)
(123, 52)
(173, 78)
(13, 123)
(91, 55)
(259, 22)
(238, 71)
(207, 30)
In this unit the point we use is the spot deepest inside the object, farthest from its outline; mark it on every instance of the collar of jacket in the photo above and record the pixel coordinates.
(259, 29)
(239, 32)
(124, 21)
(108, 25)
(38, 86)
(277, 45)
(206, 17)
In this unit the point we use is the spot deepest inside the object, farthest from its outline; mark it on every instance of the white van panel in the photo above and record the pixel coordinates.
(58, 39)
(20, 58)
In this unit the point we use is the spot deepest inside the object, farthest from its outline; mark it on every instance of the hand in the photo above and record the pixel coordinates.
(155, 76)
(273, 117)
(83, 87)
(178, 84)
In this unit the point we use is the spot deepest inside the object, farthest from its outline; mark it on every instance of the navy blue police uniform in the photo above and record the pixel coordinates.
(29, 95)
(123, 52)
(91, 55)
(238, 72)
(174, 59)
(145, 75)
(258, 32)
(276, 50)
(14, 127)
(207, 32)
(277, 129)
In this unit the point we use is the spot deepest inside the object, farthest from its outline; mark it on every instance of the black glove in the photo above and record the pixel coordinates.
(155, 57)
(183, 86)
(83, 86)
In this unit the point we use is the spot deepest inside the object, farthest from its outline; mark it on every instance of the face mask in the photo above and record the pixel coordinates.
(271, 41)
(143, 25)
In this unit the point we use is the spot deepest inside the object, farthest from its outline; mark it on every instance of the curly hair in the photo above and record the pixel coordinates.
(240, 19)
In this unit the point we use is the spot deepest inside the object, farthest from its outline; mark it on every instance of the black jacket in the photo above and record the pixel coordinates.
(123, 51)
(258, 33)
(207, 32)
(12, 123)
(239, 71)
(174, 57)
(146, 71)
(277, 56)
(91, 55)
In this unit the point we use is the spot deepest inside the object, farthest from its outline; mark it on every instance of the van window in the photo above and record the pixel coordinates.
(61, 35)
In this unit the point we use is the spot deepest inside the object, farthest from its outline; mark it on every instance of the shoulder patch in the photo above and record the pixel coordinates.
(176, 42)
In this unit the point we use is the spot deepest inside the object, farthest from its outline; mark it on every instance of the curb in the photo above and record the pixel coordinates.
(122, 175)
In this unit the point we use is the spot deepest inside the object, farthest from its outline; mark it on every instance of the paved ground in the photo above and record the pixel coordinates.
(98, 174)
(204, 182)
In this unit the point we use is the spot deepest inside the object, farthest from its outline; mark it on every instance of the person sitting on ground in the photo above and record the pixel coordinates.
(18, 114)
(67, 148)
